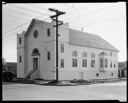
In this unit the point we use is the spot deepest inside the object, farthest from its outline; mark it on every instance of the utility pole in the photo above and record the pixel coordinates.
(58, 13)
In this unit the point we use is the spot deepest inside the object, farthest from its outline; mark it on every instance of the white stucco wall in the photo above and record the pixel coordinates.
(89, 72)
(47, 68)
(44, 44)
(21, 52)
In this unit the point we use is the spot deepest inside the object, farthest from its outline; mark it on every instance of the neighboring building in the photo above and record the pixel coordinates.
(81, 55)
(122, 69)
(11, 67)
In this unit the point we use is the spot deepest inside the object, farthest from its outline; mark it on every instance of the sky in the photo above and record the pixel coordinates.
(107, 20)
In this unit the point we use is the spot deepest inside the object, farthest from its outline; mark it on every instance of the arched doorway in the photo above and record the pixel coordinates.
(35, 57)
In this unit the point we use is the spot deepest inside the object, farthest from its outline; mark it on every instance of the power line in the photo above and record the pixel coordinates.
(10, 39)
(22, 24)
(15, 16)
(8, 34)
(28, 10)
(16, 29)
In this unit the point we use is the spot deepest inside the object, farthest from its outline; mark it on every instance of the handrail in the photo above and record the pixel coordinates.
(30, 73)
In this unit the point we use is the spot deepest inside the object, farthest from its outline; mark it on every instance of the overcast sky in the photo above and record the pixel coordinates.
(107, 20)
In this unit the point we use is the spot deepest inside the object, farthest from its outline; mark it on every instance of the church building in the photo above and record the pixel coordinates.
(81, 55)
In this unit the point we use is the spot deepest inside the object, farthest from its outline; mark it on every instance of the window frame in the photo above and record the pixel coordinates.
(93, 63)
(74, 62)
(84, 62)
(20, 40)
(35, 34)
(106, 62)
(20, 59)
(62, 48)
(61, 63)
(48, 32)
(48, 56)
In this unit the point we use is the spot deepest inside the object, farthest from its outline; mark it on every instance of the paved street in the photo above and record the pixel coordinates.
(106, 91)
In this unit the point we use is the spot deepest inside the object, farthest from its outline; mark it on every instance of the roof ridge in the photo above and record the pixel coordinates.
(84, 32)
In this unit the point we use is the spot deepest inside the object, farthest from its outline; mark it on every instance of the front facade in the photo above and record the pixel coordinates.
(81, 55)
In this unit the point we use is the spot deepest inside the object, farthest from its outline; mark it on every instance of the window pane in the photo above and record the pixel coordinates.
(62, 48)
(106, 63)
(19, 40)
(111, 64)
(101, 62)
(48, 55)
(48, 31)
(114, 65)
(20, 59)
(62, 63)
(92, 63)
(74, 62)
(84, 63)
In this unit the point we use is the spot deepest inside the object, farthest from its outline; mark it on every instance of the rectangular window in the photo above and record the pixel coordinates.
(20, 59)
(62, 48)
(92, 63)
(111, 64)
(19, 40)
(48, 55)
(74, 62)
(62, 63)
(106, 62)
(84, 63)
(101, 62)
(48, 32)
(114, 65)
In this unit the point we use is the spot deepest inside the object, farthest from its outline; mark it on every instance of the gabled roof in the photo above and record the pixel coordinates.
(82, 38)
(31, 24)
(87, 39)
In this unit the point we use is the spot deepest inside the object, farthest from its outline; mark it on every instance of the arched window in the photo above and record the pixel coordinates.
(35, 52)
(84, 60)
(74, 53)
(84, 54)
(74, 60)
(92, 55)
(92, 60)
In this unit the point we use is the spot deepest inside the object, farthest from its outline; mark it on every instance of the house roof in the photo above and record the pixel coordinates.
(31, 24)
(87, 39)
(11, 64)
(82, 38)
